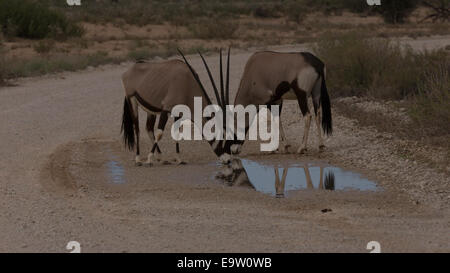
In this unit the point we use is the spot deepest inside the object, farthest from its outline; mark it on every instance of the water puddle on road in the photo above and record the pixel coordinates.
(115, 171)
(281, 178)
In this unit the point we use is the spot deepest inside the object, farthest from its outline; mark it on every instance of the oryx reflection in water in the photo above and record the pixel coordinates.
(236, 174)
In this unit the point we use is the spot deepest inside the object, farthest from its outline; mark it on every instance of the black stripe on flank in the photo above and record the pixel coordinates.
(146, 104)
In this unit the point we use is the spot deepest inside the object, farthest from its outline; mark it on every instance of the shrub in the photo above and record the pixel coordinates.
(220, 29)
(396, 11)
(30, 19)
(44, 46)
(2, 65)
(377, 68)
(430, 107)
(39, 65)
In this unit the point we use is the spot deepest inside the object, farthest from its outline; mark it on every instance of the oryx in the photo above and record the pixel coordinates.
(157, 88)
(271, 77)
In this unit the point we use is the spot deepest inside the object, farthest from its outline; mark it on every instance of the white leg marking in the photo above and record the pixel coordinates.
(151, 158)
(319, 128)
(284, 144)
(302, 148)
(158, 135)
(138, 161)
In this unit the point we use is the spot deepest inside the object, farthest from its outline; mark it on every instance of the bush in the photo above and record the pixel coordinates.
(44, 46)
(396, 11)
(377, 68)
(30, 19)
(2, 65)
(430, 107)
(220, 29)
(39, 65)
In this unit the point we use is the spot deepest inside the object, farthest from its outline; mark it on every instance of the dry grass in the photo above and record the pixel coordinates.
(380, 69)
(220, 29)
(377, 68)
(430, 107)
(54, 63)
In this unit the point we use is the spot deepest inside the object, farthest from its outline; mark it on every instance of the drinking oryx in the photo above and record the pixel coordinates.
(157, 88)
(271, 77)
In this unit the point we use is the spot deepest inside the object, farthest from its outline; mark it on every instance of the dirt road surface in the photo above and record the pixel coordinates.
(59, 132)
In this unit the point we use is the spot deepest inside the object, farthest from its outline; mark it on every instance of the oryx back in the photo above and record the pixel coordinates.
(268, 75)
(160, 86)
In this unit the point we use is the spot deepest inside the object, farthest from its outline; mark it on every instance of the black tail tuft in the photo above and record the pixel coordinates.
(127, 125)
(327, 123)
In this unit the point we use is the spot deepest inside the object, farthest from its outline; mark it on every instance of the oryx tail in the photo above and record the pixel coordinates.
(327, 123)
(127, 128)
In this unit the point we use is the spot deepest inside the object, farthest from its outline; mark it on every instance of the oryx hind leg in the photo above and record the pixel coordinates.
(318, 115)
(135, 110)
(150, 127)
(302, 99)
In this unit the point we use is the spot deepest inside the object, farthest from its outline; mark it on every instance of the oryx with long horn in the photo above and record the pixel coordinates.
(271, 77)
(157, 88)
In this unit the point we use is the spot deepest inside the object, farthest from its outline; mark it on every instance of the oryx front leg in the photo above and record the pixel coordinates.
(284, 146)
(178, 159)
(135, 110)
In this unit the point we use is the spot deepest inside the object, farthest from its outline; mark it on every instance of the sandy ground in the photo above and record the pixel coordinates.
(59, 131)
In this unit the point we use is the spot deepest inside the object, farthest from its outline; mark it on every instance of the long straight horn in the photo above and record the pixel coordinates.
(227, 90)
(208, 100)
(222, 96)
(216, 92)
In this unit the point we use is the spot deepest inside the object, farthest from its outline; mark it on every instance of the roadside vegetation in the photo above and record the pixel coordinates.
(382, 70)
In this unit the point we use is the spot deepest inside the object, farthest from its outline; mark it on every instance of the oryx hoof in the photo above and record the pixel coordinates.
(302, 151)
(138, 163)
(178, 161)
(321, 147)
(166, 162)
(284, 149)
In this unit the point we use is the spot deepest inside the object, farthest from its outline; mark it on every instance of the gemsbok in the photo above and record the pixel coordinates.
(271, 77)
(157, 88)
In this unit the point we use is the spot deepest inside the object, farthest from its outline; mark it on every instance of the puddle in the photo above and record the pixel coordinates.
(115, 172)
(279, 179)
